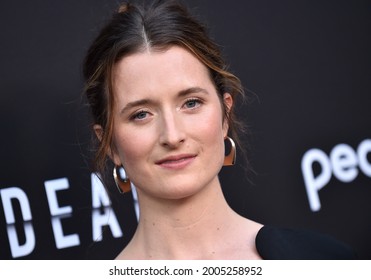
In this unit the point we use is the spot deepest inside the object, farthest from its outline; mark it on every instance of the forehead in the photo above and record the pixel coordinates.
(153, 70)
(171, 54)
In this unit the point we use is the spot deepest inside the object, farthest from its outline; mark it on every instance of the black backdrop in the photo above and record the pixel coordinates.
(306, 66)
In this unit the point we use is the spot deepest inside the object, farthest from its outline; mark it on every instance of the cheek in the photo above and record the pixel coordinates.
(210, 127)
(215, 119)
(211, 138)
(132, 146)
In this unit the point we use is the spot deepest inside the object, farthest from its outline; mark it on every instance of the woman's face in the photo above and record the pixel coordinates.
(168, 123)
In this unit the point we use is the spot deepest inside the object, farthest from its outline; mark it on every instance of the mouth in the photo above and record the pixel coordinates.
(176, 162)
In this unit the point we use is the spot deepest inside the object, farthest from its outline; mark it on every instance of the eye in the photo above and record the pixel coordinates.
(141, 115)
(192, 103)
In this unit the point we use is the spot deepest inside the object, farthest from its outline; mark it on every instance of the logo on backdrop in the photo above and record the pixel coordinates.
(343, 162)
(100, 219)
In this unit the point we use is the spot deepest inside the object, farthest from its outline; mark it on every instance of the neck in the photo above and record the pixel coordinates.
(188, 228)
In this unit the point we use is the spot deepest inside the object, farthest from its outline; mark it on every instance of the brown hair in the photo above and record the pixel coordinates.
(156, 25)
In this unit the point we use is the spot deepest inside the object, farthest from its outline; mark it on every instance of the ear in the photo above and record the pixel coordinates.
(98, 131)
(228, 103)
(112, 152)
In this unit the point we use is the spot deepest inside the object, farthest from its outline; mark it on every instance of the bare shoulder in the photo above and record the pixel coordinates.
(130, 253)
(122, 255)
(249, 227)
(245, 236)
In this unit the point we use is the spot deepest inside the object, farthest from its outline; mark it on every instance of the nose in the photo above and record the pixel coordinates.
(172, 130)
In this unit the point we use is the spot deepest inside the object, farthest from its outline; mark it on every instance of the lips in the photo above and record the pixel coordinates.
(177, 161)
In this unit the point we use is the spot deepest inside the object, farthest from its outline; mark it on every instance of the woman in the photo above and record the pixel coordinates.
(162, 101)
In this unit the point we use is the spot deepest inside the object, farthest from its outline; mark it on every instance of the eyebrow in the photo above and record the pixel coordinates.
(146, 101)
(192, 90)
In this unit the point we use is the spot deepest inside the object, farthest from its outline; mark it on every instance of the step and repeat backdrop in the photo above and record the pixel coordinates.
(306, 68)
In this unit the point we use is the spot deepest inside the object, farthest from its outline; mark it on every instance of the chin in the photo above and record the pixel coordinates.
(185, 190)
(179, 192)
(180, 186)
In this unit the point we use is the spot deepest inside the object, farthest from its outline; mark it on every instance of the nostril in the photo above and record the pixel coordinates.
(171, 131)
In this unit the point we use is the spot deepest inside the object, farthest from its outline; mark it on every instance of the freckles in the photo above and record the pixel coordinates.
(212, 124)
(122, 143)
(135, 144)
(129, 145)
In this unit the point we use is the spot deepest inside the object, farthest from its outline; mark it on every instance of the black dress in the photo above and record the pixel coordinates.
(274, 243)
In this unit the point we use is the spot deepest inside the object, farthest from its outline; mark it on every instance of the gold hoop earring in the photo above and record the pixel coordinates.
(122, 184)
(230, 159)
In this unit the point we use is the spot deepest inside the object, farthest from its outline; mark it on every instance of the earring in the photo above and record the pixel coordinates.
(230, 159)
(122, 184)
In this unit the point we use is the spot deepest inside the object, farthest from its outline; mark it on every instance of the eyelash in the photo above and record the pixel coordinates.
(196, 100)
(135, 116)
